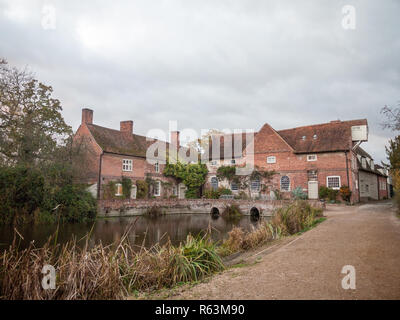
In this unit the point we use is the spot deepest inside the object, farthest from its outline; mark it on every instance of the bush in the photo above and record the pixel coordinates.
(142, 189)
(345, 193)
(27, 195)
(299, 194)
(216, 194)
(327, 193)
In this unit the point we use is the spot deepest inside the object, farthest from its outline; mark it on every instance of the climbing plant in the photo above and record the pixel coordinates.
(192, 175)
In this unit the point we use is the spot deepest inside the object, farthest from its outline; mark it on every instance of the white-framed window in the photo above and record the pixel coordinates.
(333, 182)
(118, 191)
(214, 162)
(234, 186)
(175, 190)
(233, 161)
(271, 159)
(356, 184)
(214, 183)
(157, 188)
(382, 185)
(157, 167)
(311, 157)
(255, 185)
(127, 165)
(285, 183)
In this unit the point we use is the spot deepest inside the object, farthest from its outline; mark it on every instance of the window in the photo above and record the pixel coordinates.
(271, 159)
(157, 167)
(303, 138)
(255, 185)
(119, 189)
(382, 185)
(234, 186)
(314, 136)
(285, 183)
(333, 182)
(312, 175)
(214, 162)
(233, 161)
(157, 188)
(214, 183)
(311, 157)
(175, 190)
(126, 165)
(356, 184)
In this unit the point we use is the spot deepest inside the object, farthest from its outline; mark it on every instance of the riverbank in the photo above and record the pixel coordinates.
(309, 266)
(113, 272)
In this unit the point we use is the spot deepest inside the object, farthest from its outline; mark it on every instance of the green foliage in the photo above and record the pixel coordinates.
(345, 193)
(30, 119)
(226, 172)
(142, 189)
(327, 193)
(299, 194)
(126, 187)
(193, 175)
(216, 194)
(27, 194)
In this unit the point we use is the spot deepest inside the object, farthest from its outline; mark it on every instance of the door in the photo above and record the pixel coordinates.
(312, 189)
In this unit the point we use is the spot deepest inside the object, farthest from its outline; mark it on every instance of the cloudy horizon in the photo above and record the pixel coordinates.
(206, 64)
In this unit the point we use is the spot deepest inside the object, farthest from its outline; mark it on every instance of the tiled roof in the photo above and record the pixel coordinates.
(115, 141)
(326, 137)
(368, 168)
(362, 152)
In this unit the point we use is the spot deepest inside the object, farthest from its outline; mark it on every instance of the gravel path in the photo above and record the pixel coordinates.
(309, 266)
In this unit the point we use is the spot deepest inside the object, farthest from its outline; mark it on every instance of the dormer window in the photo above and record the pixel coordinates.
(311, 157)
(127, 165)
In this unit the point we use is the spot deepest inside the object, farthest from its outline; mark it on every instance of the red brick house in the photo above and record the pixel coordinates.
(307, 157)
(114, 154)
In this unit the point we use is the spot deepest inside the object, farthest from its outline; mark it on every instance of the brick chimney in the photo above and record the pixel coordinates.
(87, 116)
(175, 139)
(126, 126)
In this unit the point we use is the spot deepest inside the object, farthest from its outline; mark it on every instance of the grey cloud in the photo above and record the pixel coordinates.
(208, 64)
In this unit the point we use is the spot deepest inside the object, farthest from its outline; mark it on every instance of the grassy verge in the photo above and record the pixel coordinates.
(295, 218)
(120, 270)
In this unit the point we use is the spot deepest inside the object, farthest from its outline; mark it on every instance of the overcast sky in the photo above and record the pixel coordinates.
(211, 64)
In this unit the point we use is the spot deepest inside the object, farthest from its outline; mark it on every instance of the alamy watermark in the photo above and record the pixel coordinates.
(349, 281)
(349, 18)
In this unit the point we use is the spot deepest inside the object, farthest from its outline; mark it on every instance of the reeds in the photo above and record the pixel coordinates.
(287, 220)
(104, 272)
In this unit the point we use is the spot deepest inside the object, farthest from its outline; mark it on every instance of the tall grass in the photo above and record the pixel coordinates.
(104, 272)
(287, 220)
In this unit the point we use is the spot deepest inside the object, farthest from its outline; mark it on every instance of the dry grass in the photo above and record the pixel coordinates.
(286, 221)
(104, 272)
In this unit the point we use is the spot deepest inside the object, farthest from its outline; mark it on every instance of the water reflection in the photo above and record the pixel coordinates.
(143, 230)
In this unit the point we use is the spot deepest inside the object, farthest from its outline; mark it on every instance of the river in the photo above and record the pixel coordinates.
(142, 230)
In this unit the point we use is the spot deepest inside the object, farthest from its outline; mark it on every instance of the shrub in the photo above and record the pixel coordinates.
(26, 196)
(142, 189)
(299, 194)
(216, 194)
(327, 193)
(345, 193)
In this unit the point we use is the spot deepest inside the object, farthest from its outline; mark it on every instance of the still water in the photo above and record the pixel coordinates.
(142, 230)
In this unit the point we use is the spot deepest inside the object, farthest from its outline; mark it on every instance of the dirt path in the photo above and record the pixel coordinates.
(309, 267)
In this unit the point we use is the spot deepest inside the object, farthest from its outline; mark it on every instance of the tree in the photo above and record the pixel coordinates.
(392, 117)
(31, 125)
